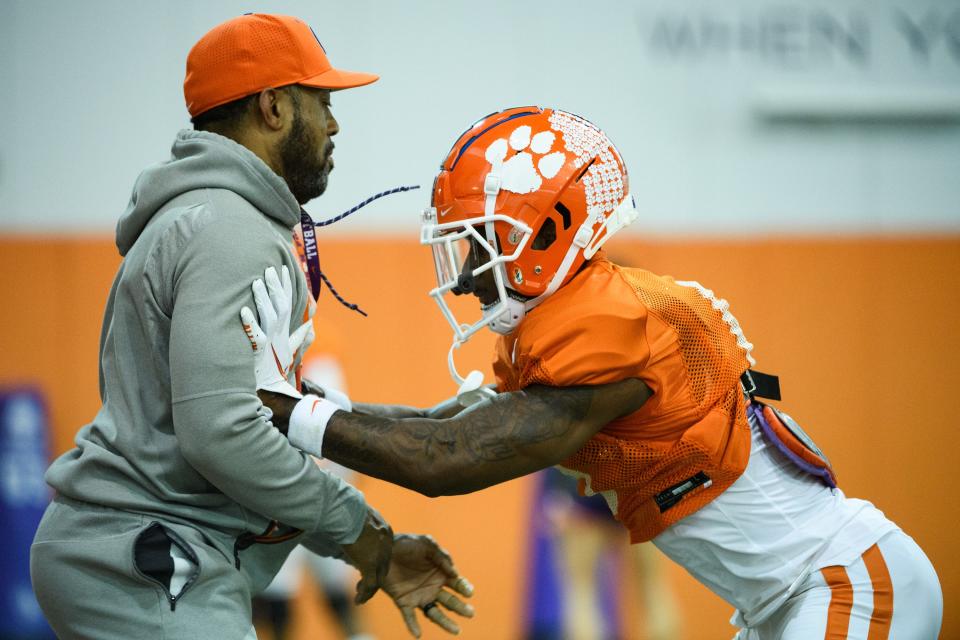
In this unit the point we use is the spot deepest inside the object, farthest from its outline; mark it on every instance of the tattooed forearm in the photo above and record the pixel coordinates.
(502, 438)
(387, 410)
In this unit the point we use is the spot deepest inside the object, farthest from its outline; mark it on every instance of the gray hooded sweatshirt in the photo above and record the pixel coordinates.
(181, 434)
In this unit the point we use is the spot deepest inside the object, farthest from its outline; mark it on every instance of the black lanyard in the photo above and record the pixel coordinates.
(311, 256)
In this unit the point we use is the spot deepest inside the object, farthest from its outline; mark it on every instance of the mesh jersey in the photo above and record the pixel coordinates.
(611, 323)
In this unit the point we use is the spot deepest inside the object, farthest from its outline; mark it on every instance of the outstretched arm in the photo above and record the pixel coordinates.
(497, 439)
(446, 409)
(504, 437)
(501, 438)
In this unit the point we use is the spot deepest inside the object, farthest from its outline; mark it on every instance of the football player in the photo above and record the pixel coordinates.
(638, 384)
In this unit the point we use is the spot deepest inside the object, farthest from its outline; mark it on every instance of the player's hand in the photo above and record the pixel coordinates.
(420, 574)
(370, 554)
(270, 340)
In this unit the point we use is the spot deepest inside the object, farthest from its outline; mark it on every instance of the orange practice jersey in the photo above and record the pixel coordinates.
(611, 323)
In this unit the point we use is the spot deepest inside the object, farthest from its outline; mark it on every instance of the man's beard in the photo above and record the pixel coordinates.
(304, 173)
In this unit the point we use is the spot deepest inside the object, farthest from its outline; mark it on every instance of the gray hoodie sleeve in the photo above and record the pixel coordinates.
(215, 407)
(323, 546)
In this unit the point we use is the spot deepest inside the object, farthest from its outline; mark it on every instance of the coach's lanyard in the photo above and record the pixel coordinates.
(306, 244)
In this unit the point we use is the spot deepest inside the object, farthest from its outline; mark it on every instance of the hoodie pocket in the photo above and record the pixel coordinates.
(163, 558)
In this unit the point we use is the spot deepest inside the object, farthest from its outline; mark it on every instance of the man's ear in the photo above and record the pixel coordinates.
(270, 110)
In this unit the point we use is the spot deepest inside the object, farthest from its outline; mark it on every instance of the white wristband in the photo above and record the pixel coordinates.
(308, 423)
(335, 396)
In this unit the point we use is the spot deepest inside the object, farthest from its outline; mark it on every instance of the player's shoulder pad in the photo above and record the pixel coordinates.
(591, 331)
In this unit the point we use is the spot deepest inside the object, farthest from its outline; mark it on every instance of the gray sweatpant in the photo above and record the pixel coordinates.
(100, 573)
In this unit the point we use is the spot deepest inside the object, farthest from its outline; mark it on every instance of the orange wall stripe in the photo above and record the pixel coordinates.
(882, 594)
(841, 602)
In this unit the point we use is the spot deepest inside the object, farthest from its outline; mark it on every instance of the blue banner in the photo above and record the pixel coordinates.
(24, 455)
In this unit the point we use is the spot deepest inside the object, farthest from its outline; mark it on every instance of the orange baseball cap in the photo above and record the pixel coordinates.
(258, 51)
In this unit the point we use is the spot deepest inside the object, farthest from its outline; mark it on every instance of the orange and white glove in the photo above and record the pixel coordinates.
(275, 351)
(271, 343)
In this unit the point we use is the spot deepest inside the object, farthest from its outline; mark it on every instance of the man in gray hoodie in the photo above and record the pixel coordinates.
(180, 500)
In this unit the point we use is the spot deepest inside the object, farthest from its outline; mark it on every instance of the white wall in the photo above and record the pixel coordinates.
(735, 118)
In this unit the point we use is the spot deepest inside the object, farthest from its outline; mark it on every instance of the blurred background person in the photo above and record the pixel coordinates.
(586, 581)
(273, 608)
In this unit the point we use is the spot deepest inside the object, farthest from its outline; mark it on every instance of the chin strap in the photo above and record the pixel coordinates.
(471, 389)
